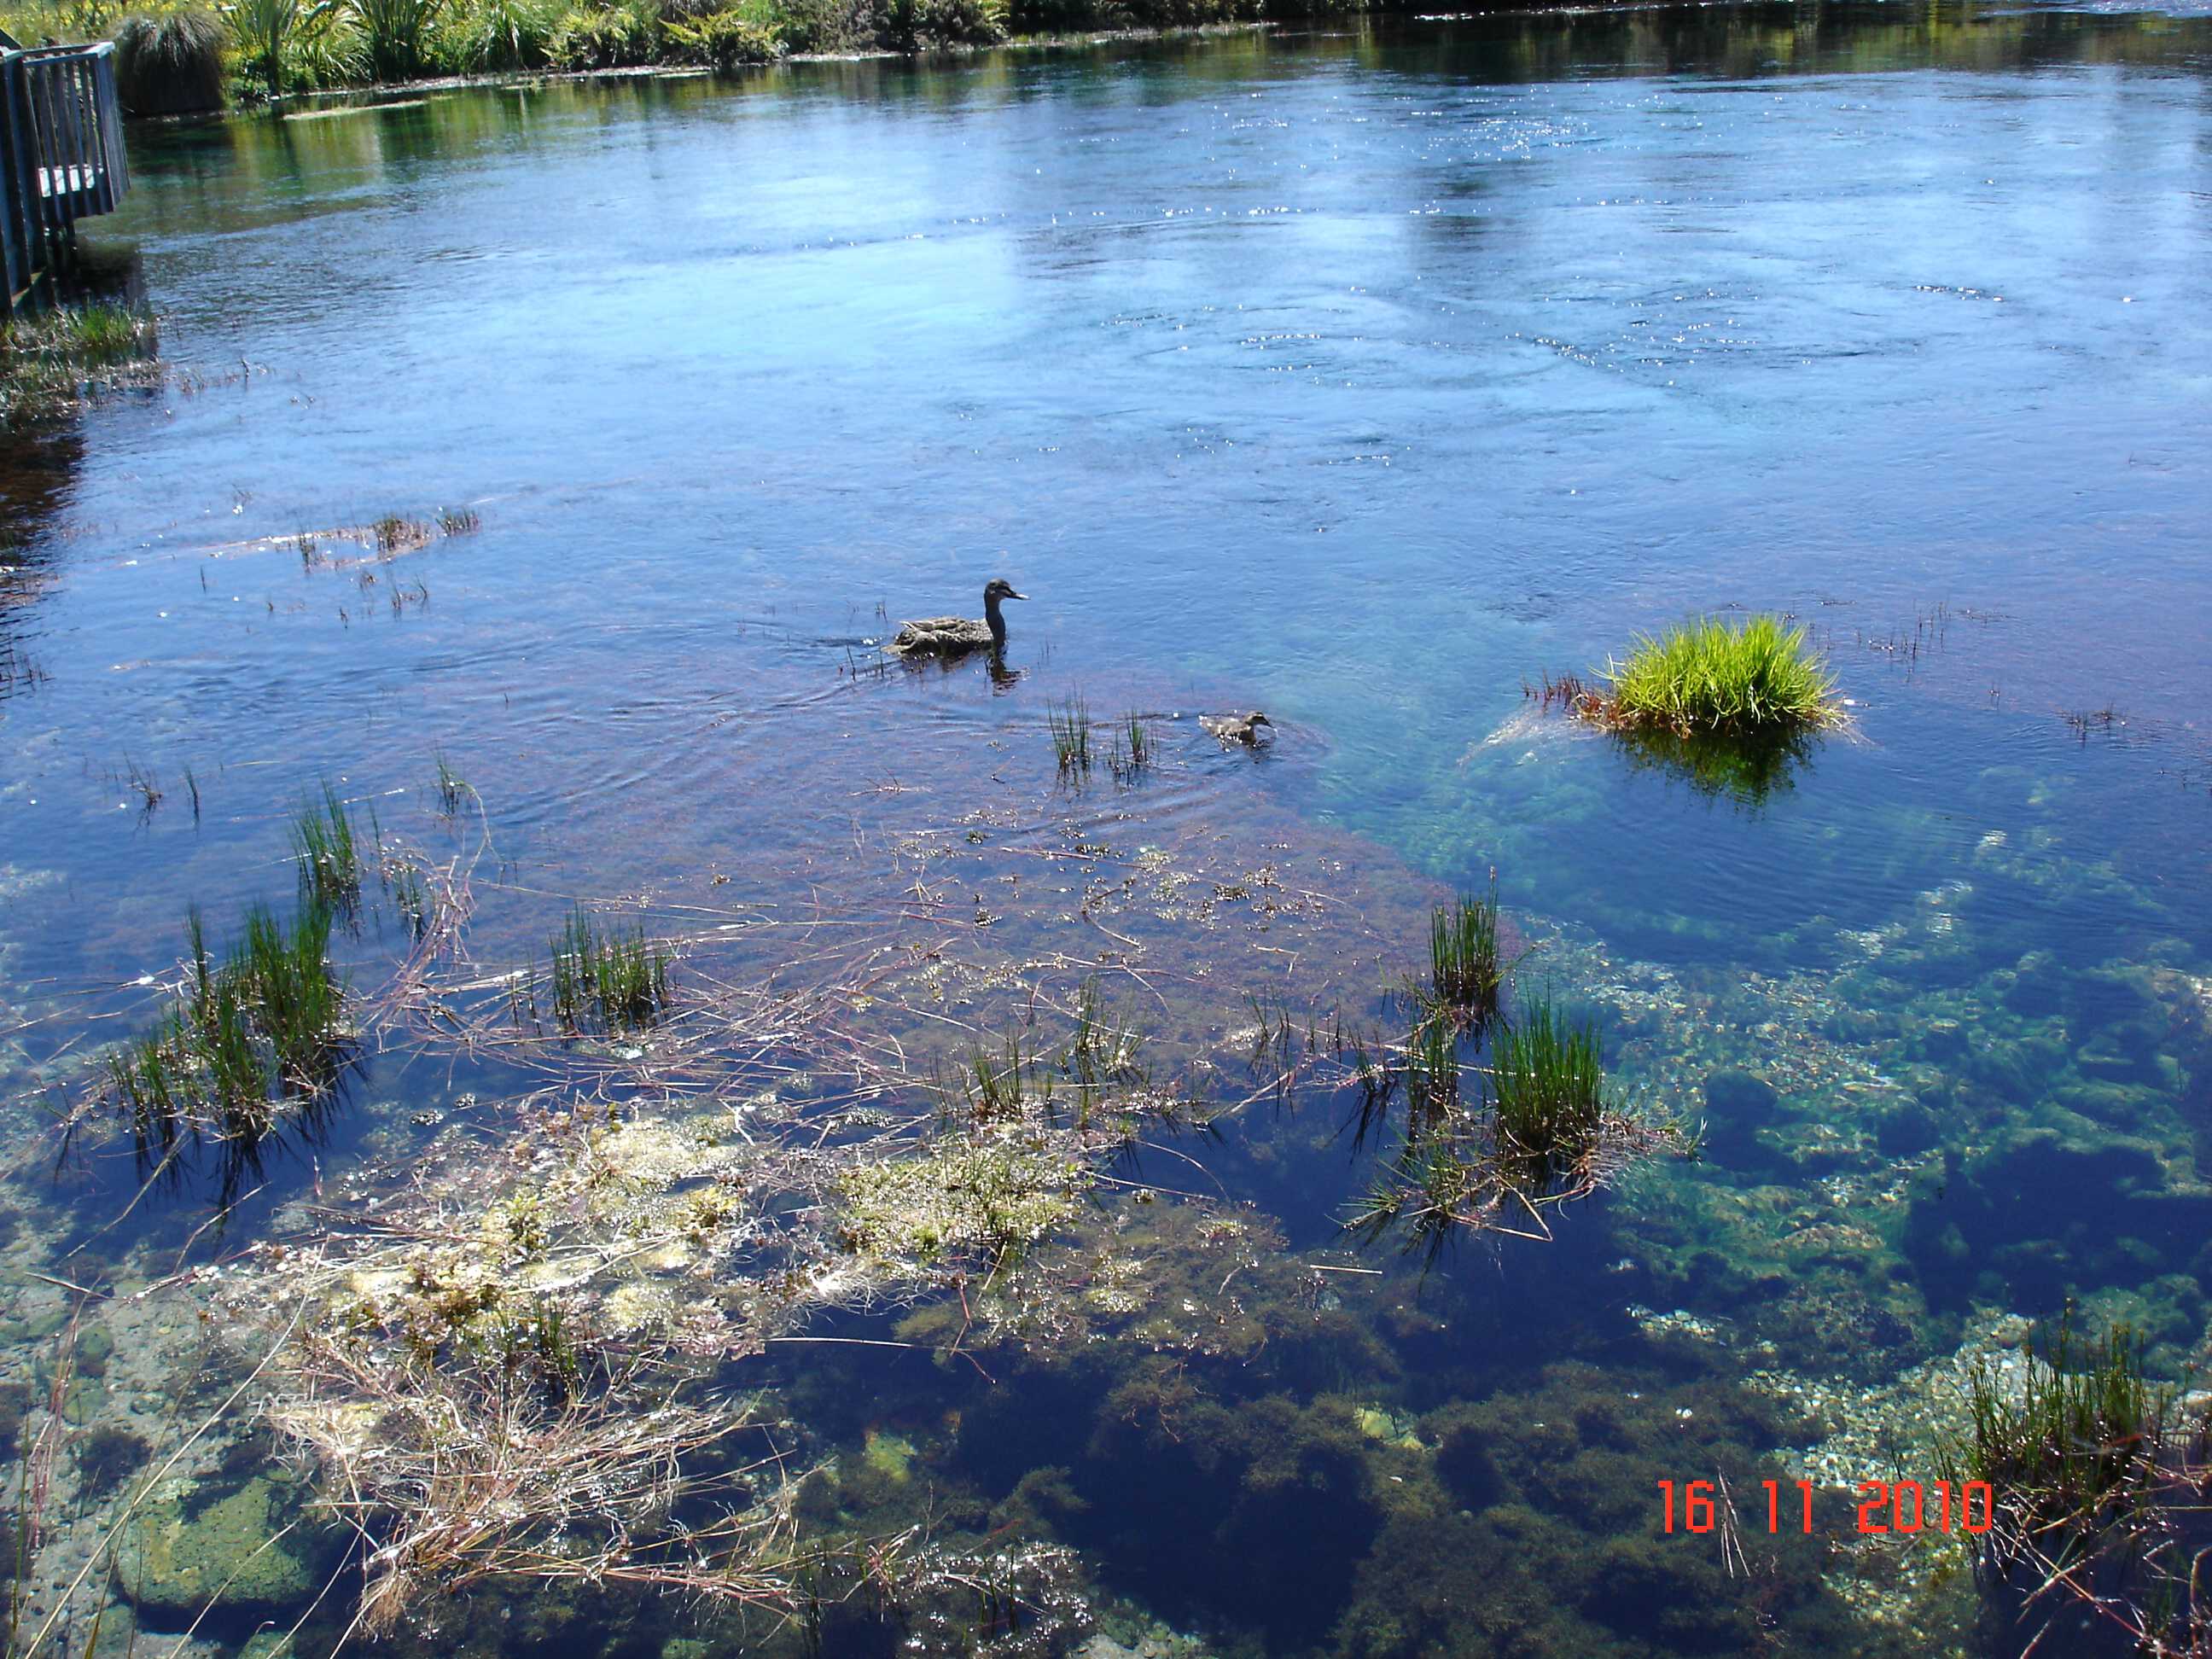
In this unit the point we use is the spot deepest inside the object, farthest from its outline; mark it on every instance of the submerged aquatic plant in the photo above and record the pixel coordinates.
(1432, 1070)
(990, 1191)
(619, 980)
(142, 783)
(1712, 676)
(17, 667)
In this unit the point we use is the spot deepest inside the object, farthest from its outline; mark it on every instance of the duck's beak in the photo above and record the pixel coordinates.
(1012, 595)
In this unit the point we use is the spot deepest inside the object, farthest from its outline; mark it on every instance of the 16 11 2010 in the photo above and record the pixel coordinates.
(1883, 1506)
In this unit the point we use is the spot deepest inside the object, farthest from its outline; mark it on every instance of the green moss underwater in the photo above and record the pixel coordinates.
(986, 1287)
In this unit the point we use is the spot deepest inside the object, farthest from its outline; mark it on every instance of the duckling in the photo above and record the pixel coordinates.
(948, 635)
(1235, 729)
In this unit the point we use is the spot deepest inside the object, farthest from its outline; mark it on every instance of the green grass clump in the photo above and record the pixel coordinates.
(1465, 973)
(330, 858)
(396, 34)
(621, 981)
(451, 785)
(1426, 1188)
(265, 1025)
(2070, 1443)
(1547, 1087)
(985, 1086)
(268, 33)
(1131, 756)
(1101, 1054)
(395, 534)
(1070, 724)
(50, 362)
(170, 64)
(1712, 676)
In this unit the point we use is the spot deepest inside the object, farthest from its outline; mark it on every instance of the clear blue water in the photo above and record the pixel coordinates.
(1357, 375)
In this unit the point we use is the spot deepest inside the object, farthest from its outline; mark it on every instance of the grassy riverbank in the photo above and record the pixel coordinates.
(268, 48)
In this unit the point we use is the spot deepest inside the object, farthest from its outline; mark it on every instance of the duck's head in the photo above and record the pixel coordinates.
(1255, 719)
(1000, 589)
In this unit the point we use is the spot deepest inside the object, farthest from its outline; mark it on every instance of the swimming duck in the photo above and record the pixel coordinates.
(1234, 729)
(949, 634)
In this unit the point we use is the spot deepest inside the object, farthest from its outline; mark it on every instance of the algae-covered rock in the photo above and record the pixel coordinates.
(1907, 1129)
(173, 1558)
(889, 1454)
(1737, 1106)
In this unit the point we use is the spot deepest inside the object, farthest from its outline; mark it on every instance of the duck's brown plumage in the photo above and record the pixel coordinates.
(1235, 729)
(943, 635)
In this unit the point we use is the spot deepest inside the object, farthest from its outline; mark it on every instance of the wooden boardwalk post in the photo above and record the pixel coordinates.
(60, 156)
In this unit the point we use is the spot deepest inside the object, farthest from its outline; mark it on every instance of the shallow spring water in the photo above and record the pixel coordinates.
(1357, 375)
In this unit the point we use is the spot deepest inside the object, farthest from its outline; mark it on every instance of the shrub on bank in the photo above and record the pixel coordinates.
(397, 35)
(499, 35)
(170, 64)
(586, 38)
(725, 39)
(182, 56)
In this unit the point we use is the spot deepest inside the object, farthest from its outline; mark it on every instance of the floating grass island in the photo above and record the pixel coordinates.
(1732, 707)
(1757, 677)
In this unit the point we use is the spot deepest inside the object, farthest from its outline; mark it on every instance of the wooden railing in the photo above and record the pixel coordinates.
(61, 155)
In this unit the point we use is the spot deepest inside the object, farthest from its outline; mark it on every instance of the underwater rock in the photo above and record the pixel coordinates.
(1465, 1466)
(174, 1560)
(94, 1345)
(1942, 1040)
(82, 1399)
(1103, 1646)
(2047, 1214)
(1737, 1105)
(1910, 1129)
(2014, 1072)
(2111, 996)
(2127, 1052)
(2035, 988)
(889, 1454)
